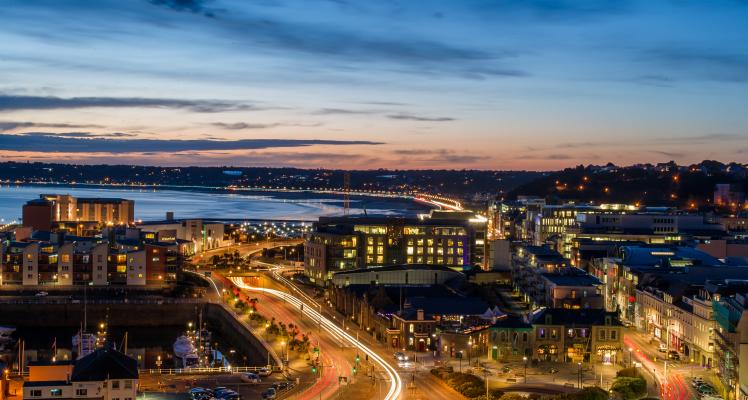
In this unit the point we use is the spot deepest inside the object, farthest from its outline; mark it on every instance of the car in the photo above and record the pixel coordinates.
(199, 393)
(706, 389)
(269, 393)
(227, 394)
(400, 356)
(41, 294)
(282, 385)
(673, 355)
(505, 369)
(250, 377)
(552, 371)
(264, 371)
(662, 348)
(696, 382)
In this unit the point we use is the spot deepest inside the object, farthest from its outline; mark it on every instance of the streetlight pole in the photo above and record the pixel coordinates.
(630, 355)
(525, 360)
(579, 364)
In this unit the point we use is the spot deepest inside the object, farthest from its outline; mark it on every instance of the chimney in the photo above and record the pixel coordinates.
(419, 315)
(170, 215)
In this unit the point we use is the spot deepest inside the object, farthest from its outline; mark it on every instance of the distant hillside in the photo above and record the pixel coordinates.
(463, 183)
(662, 184)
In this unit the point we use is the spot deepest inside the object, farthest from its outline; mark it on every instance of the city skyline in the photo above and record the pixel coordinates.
(533, 85)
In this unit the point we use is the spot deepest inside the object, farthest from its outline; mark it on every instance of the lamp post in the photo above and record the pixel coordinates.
(470, 349)
(525, 360)
(579, 365)
(460, 358)
(630, 355)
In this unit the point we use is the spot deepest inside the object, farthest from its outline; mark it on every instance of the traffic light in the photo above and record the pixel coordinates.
(314, 369)
(354, 370)
(358, 358)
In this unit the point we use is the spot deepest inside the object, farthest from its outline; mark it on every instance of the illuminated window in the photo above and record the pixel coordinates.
(121, 268)
(380, 259)
(409, 250)
(66, 258)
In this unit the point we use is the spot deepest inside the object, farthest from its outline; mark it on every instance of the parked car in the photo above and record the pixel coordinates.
(673, 355)
(264, 371)
(696, 382)
(400, 356)
(706, 390)
(282, 385)
(228, 394)
(199, 393)
(250, 377)
(269, 393)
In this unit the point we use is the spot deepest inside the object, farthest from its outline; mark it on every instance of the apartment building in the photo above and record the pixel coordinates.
(452, 239)
(88, 262)
(591, 335)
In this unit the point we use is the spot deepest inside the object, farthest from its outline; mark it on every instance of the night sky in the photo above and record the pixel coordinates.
(512, 84)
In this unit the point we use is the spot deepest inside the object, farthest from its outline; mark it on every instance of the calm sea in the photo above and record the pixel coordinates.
(152, 204)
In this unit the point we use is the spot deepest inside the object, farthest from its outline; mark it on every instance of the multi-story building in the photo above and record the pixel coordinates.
(632, 265)
(680, 316)
(105, 374)
(87, 261)
(545, 278)
(453, 239)
(730, 304)
(591, 335)
(112, 211)
(200, 235)
(80, 216)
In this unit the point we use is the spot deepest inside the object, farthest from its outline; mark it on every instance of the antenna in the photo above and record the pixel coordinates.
(346, 193)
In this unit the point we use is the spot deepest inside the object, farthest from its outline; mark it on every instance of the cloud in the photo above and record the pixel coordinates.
(10, 102)
(246, 125)
(708, 64)
(79, 134)
(668, 153)
(439, 155)
(51, 142)
(410, 117)
(12, 125)
(345, 111)
(193, 6)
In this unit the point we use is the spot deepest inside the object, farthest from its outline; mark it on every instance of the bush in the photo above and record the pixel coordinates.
(629, 388)
(628, 373)
(512, 396)
(468, 385)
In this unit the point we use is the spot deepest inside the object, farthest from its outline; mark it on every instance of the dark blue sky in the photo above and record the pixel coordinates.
(366, 84)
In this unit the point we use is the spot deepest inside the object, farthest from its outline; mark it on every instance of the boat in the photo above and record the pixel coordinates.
(85, 344)
(185, 352)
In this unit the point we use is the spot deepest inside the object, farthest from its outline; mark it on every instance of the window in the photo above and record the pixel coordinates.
(55, 392)
(601, 334)
(410, 329)
(81, 392)
(613, 335)
(115, 384)
(553, 334)
(36, 393)
(128, 384)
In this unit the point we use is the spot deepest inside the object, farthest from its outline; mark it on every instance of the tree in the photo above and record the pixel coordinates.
(629, 388)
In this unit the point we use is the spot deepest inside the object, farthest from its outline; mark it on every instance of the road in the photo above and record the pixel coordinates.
(426, 386)
(676, 385)
(330, 335)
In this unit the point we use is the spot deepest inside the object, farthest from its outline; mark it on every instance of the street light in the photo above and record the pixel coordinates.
(525, 360)
(630, 361)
